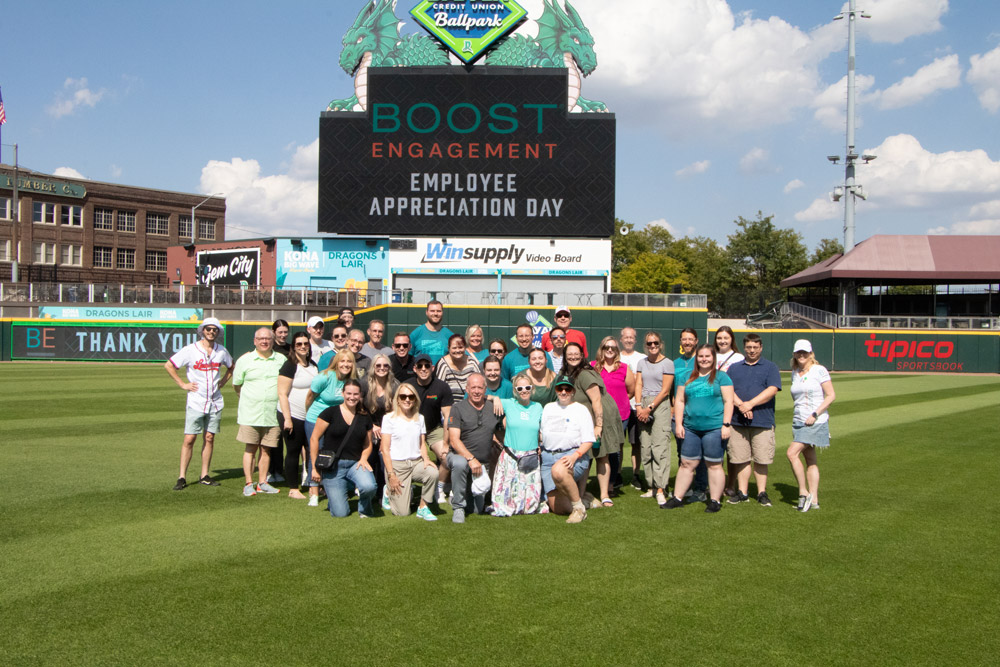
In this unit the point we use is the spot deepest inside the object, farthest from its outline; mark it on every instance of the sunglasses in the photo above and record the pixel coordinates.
(406, 397)
(557, 337)
(611, 347)
(564, 389)
(302, 344)
(524, 387)
(381, 365)
(401, 345)
(212, 329)
(652, 343)
(340, 336)
(424, 365)
(496, 350)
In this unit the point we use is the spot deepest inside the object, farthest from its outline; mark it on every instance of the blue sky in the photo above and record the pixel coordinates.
(723, 108)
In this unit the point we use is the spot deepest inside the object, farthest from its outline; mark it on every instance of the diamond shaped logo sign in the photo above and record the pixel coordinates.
(468, 28)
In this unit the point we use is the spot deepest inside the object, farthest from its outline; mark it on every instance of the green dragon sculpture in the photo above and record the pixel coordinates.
(375, 41)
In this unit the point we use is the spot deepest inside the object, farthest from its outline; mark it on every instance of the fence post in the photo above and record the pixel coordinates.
(60, 292)
(272, 296)
(151, 293)
(90, 293)
(121, 293)
(243, 295)
(31, 292)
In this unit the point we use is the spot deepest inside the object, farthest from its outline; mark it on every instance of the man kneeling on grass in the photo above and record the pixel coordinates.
(209, 367)
(255, 379)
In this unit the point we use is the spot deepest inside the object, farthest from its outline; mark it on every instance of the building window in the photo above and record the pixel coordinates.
(156, 260)
(183, 228)
(71, 215)
(104, 218)
(44, 213)
(125, 258)
(6, 209)
(72, 255)
(158, 223)
(5, 251)
(206, 229)
(102, 257)
(126, 221)
(45, 253)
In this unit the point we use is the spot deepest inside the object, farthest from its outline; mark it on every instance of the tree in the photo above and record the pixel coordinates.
(762, 255)
(825, 249)
(625, 248)
(706, 264)
(650, 273)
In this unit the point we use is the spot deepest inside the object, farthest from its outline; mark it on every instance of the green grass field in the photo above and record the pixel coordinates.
(102, 563)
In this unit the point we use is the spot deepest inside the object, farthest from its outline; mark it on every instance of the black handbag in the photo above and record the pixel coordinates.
(327, 459)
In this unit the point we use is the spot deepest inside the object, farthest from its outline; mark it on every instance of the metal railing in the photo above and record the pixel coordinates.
(824, 317)
(305, 297)
(907, 322)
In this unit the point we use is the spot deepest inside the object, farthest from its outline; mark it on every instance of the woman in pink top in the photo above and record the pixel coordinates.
(620, 384)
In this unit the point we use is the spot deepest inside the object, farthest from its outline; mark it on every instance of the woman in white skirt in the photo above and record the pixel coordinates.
(812, 392)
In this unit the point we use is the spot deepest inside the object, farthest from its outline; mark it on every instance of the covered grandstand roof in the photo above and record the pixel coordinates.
(888, 260)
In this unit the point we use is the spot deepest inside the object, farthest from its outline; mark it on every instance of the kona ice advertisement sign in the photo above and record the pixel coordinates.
(331, 263)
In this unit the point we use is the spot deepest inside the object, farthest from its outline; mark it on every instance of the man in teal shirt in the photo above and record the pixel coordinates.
(516, 360)
(431, 337)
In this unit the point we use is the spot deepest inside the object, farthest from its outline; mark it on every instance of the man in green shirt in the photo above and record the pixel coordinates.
(255, 379)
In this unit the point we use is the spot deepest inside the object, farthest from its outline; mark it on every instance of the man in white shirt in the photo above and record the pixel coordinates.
(209, 366)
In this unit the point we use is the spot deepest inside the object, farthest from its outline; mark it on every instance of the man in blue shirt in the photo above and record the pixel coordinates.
(431, 337)
(756, 381)
(517, 359)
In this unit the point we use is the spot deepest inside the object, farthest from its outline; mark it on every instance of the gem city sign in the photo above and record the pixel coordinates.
(424, 148)
(469, 28)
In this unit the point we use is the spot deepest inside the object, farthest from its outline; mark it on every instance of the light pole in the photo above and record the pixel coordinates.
(193, 208)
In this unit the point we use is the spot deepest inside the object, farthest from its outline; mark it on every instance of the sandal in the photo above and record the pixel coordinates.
(607, 502)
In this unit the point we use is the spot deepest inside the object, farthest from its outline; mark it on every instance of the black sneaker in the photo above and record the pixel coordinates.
(712, 506)
(763, 499)
(672, 503)
(181, 484)
(738, 497)
(208, 481)
(636, 483)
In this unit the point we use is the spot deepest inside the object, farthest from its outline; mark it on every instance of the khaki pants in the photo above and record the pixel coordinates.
(654, 442)
(407, 472)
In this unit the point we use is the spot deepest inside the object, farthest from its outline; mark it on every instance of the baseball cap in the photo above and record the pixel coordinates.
(802, 345)
(210, 322)
(481, 483)
(563, 380)
(422, 357)
(314, 320)
(563, 309)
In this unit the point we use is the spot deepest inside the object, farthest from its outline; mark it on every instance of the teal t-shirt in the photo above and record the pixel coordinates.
(523, 424)
(328, 390)
(682, 370)
(481, 355)
(505, 390)
(432, 343)
(703, 404)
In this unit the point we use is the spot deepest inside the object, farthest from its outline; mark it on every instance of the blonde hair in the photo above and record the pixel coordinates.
(806, 365)
(396, 412)
(549, 373)
(343, 354)
(600, 351)
(391, 384)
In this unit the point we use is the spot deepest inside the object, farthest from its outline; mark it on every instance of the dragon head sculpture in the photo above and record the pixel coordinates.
(375, 31)
(562, 31)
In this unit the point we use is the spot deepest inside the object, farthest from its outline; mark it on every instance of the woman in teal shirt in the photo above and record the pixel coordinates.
(703, 408)
(517, 481)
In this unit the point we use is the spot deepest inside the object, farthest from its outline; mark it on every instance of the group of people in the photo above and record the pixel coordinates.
(512, 431)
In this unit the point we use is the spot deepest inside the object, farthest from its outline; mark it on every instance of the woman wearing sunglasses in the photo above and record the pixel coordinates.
(653, 381)
(517, 481)
(294, 380)
(377, 390)
(498, 348)
(620, 382)
(591, 392)
(567, 436)
(405, 456)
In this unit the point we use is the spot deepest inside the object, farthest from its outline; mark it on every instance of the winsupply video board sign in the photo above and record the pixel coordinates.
(489, 256)
(235, 267)
(445, 151)
(99, 342)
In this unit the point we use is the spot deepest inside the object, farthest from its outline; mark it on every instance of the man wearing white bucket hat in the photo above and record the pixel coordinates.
(209, 367)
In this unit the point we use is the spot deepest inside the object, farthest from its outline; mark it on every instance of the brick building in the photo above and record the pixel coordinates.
(73, 230)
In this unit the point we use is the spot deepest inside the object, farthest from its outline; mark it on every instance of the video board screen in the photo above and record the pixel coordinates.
(448, 151)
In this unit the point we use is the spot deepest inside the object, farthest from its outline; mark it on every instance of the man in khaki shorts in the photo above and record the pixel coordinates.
(255, 379)
(756, 381)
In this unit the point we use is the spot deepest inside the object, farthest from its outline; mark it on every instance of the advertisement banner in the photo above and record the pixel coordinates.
(485, 256)
(233, 267)
(333, 263)
(124, 313)
(98, 342)
(445, 151)
(906, 351)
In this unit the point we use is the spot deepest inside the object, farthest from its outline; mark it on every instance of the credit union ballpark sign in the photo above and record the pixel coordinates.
(469, 27)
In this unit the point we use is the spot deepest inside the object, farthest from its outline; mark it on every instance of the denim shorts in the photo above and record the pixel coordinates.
(817, 435)
(196, 422)
(705, 445)
(580, 468)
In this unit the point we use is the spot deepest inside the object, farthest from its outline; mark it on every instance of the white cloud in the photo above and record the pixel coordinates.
(893, 21)
(754, 161)
(831, 104)
(942, 74)
(984, 76)
(794, 184)
(116, 171)
(68, 172)
(699, 167)
(674, 231)
(822, 208)
(984, 218)
(267, 204)
(75, 94)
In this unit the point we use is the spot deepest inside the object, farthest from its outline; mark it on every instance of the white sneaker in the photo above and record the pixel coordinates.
(385, 502)
(661, 498)
(648, 494)
(313, 501)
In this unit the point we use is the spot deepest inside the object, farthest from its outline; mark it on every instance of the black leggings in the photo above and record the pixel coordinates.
(296, 443)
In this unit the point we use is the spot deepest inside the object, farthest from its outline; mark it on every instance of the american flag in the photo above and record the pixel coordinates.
(3, 114)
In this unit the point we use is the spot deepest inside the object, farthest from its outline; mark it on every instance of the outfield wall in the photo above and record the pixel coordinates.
(881, 350)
